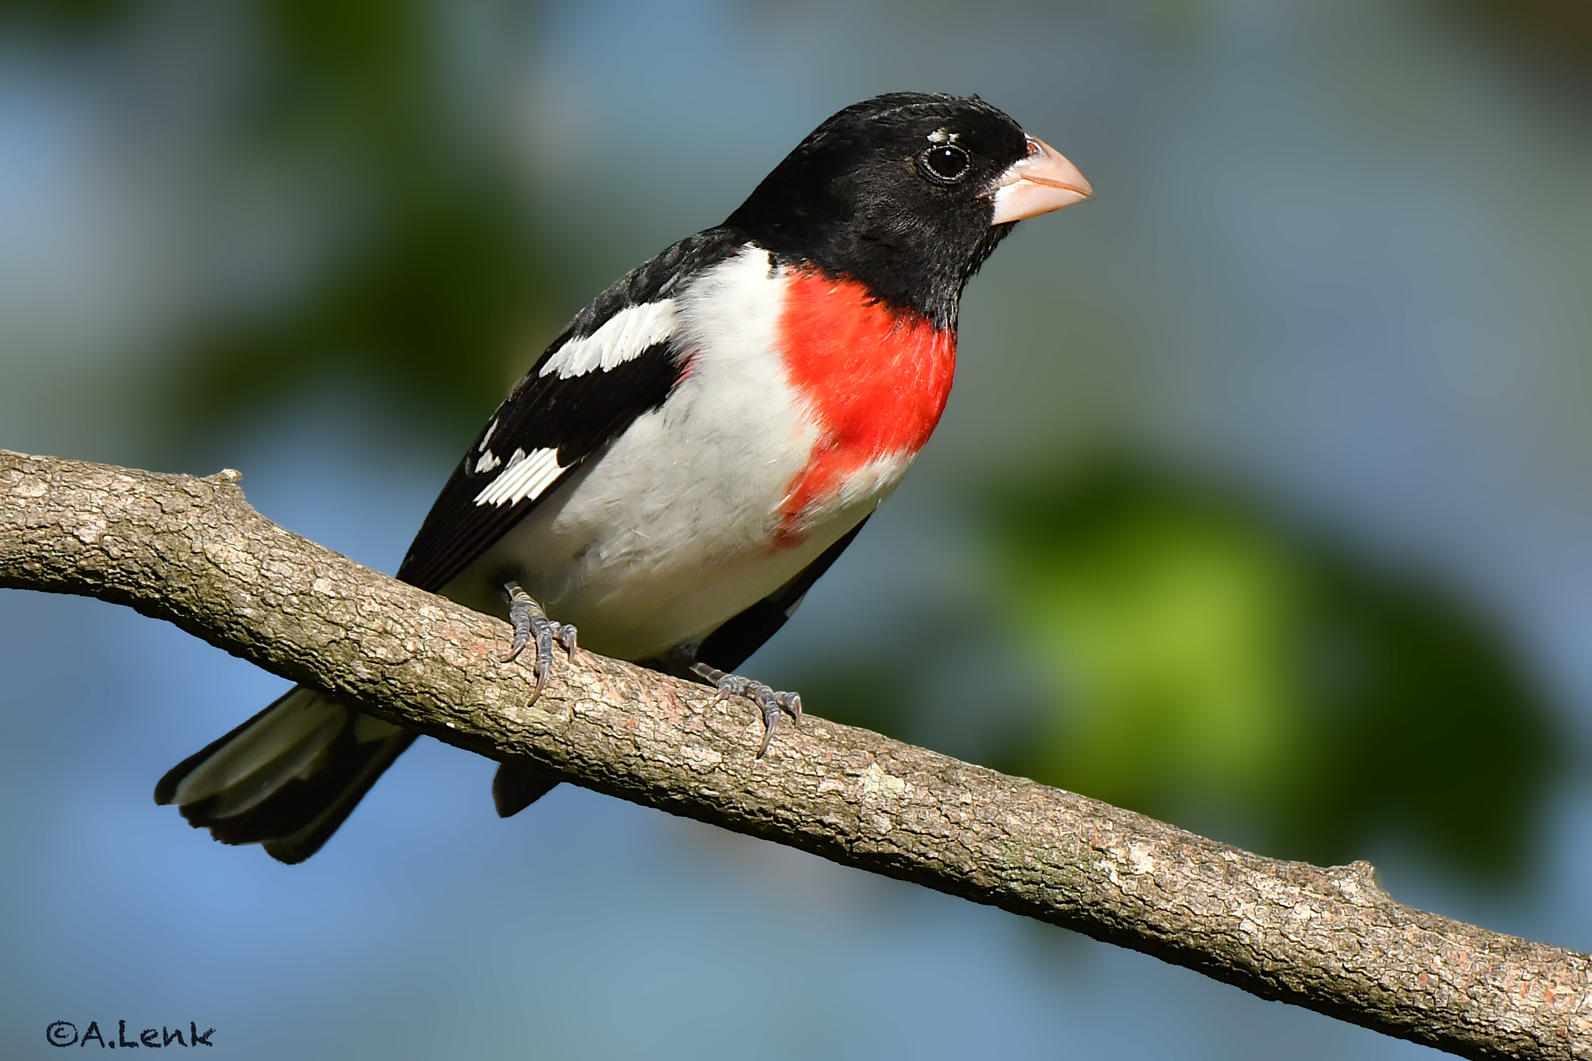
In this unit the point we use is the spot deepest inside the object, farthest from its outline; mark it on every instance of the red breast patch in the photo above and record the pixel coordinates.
(877, 379)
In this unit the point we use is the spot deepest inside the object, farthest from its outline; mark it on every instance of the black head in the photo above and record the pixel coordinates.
(899, 192)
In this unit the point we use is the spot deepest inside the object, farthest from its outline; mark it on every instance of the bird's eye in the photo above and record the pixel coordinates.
(946, 163)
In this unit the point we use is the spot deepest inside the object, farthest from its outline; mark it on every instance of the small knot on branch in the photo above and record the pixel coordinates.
(1358, 879)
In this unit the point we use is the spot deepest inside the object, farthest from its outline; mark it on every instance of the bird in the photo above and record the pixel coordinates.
(695, 448)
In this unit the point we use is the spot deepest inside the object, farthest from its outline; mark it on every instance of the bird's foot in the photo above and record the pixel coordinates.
(768, 699)
(532, 624)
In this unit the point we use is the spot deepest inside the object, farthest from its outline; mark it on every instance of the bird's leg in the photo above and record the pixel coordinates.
(531, 622)
(770, 701)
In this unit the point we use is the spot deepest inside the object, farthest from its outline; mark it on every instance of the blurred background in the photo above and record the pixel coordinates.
(1262, 503)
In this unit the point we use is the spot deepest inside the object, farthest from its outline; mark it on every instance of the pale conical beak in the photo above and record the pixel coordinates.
(1037, 184)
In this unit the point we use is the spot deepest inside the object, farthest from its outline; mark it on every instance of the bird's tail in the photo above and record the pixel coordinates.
(286, 778)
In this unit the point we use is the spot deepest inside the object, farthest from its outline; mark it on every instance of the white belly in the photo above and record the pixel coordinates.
(674, 527)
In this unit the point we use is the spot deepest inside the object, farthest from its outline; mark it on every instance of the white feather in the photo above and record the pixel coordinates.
(304, 715)
(524, 477)
(622, 337)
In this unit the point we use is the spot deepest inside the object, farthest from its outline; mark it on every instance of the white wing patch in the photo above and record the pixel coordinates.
(524, 477)
(622, 337)
(488, 460)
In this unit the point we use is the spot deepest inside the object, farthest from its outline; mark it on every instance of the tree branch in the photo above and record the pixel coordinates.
(192, 551)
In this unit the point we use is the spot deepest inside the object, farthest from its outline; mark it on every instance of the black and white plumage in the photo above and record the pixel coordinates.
(697, 446)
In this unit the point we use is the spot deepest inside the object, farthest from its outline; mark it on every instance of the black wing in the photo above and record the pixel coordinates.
(564, 419)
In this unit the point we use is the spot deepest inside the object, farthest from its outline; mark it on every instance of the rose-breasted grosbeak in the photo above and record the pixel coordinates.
(695, 449)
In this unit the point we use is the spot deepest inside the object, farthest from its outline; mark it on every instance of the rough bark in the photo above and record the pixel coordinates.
(192, 551)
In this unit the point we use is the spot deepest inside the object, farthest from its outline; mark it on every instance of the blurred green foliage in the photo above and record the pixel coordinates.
(429, 283)
(1559, 29)
(1206, 660)
(443, 267)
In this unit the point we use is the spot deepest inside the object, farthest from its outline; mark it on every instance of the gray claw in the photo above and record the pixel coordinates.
(767, 698)
(532, 624)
